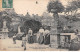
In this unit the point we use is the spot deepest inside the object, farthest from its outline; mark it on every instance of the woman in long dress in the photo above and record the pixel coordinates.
(46, 37)
(35, 37)
(30, 36)
(41, 38)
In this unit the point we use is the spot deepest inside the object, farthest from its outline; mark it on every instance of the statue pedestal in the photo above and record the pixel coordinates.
(3, 35)
(54, 41)
(54, 38)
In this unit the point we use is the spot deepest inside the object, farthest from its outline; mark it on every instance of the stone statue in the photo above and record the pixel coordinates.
(4, 29)
(4, 24)
(19, 30)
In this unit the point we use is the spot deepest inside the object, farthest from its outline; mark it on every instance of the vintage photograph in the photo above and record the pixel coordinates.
(39, 25)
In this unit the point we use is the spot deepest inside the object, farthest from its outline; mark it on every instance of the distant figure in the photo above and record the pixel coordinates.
(75, 45)
(41, 36)
(35, 37)
(46, 37)
(14, 38)
(24, 40)
(30, 36)
(76, 31)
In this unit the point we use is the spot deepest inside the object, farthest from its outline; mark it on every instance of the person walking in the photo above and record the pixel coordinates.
(24, 40)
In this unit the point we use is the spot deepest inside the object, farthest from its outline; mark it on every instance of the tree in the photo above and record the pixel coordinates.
(55, 7)
(72, 8)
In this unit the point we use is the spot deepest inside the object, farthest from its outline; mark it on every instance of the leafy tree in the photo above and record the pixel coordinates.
(72, 8)
(33, 24)
(55, 7)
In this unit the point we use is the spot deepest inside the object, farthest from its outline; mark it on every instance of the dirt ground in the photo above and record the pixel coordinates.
(7, 45)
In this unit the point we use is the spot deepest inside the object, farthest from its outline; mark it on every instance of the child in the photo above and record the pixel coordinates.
(24, 39)
(14, 38)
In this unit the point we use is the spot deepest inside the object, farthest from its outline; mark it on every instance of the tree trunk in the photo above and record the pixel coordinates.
(56, 18)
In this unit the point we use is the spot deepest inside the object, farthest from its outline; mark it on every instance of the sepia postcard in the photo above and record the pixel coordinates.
(39, 25)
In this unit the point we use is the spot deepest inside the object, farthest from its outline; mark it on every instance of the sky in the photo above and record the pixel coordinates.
(24, 6)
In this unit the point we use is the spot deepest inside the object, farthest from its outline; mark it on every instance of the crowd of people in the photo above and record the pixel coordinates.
(41, 37)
